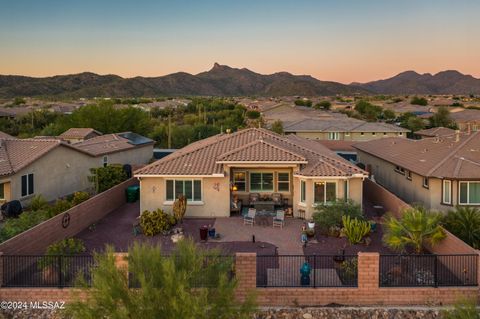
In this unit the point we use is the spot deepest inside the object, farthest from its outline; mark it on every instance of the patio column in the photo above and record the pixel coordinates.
(121, 261)
(368, 270)
(246, 273)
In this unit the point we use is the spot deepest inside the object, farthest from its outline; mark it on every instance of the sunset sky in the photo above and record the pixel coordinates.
(345, 41)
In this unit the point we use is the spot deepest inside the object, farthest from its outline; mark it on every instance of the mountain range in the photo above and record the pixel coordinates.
(223, 80)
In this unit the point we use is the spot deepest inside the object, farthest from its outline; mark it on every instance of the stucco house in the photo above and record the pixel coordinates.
(254, 161)
(438, 172)
(53, 168)
(79, 134)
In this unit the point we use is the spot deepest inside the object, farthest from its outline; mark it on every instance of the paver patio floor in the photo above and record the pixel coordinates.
(287, 239)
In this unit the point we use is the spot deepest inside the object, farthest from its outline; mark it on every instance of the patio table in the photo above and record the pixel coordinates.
(263, 217)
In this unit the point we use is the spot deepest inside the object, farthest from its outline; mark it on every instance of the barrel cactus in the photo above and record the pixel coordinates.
(180, 207)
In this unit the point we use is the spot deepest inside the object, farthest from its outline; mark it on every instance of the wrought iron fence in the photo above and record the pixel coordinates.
(428, 270)
(45, 270)
(307, 271)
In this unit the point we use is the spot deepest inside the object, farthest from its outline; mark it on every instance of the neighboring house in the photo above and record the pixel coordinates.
(212, 171)
(435, 132)
(343, 148)
(75, 135)
(467, 120)
(4, 135)
(54, 168)
(438, 172)
(342, 129)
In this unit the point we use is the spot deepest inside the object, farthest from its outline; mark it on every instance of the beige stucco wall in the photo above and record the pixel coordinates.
(140, 155)
(411, 191)
(215, 196)
(367, 136)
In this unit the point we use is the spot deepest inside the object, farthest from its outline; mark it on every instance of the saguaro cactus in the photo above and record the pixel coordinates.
(180, 207)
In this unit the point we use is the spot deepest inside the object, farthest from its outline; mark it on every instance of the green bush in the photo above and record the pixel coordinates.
(330, 215)
(155, 222)
(419, 101)
(326, 105)
(355, 229)
(79, 197)
(302, 102)
(66, 247)
(38, 202)
(463, 309)
(106, 177)
(464, 222)
(14, 226)
(60, 206)
(253, 115)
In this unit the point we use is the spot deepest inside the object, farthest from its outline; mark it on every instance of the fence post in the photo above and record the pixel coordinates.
(368, 270)
(246, 273)
(59, 267)
(1, 269)
(314, 271)
(435, 270)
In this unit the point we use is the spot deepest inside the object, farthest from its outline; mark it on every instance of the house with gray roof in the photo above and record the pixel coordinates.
(251, 165)
(437, 172)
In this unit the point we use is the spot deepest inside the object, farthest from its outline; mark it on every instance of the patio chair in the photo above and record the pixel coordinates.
(249, 219)
(279, 219)
(253, 197)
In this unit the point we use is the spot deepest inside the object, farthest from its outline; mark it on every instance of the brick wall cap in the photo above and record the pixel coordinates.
(246, 254)
(363, 253)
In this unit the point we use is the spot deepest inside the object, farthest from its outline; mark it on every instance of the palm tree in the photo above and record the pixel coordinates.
(416, 228)
(464, 222)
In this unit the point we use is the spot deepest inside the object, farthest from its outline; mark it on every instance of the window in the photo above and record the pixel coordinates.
(384, 133)
(362, 133)
(303, 188)
(400, 170)
(409, 175)
(373, 133)
(470, 193)
(400, 134)
(347, 133)
(425, 182)
(27, 185)
(105, 161)
(2, 191)
(192, 189)
(283, 182)
(345, 190)
(261, 182)
(240, 181)
(333, 136)
(447, 192)
(325, 192)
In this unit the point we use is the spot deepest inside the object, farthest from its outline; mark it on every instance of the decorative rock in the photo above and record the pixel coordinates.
(176, 237)
(307, 316)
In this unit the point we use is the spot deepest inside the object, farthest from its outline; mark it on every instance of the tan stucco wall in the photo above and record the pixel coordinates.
(140, 155)
(215, 197)
(6, 191)
(411, 191)
(367, 136)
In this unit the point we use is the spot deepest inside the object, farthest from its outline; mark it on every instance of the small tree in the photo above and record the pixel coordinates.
(181, 285)
(326, 105)
(330, 214)
(419, 101)
(464, 222)
(442, 119)
(106, 177)
(277, 127)
(180, 207)
(253, 115)
(414, 229)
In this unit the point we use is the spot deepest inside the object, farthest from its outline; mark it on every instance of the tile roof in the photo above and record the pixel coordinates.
(441, 157)
(436, 131)
(338, 145)
(111, 143)
(4, 135)
(335, 124)
(79, 132)
(466, 115)
(16, 154)
(206, 157)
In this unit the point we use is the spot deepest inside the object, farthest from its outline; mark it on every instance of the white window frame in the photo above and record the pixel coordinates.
(399, 170)
(444, 191)
(303, 191)
(30, 190)
(333, 136)
(105, 161)
(468, 193)
(278, 182)
(170, 200)
(408, 174)
(425, 182)
(262, 190)
(244, 181)
(324, 191)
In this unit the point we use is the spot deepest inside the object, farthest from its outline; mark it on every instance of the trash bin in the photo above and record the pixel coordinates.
(305, 274)
(211, 232)
(132, 193)
(203, 233)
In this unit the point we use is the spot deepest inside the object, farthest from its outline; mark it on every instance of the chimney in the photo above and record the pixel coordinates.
(457, 135)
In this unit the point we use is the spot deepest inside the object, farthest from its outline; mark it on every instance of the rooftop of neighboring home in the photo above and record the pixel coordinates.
(111, 143)
(79, 133)
(251, 146)
(435, 132)
(4, 135)
(454, 156)
(338, 145)
(337, 124)
(466, 115)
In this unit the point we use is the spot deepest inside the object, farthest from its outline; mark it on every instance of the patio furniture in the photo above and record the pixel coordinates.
(279, 219)
(253, 198)
(267, 206)
(301, 213)
(263, 217)
(277, 199)
(250, 218)
(236, 206)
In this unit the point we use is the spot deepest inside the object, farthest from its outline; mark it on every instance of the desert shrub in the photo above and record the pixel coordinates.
(302, 102)
(253, 115)
(38, 202)
(66, 247)
(348, 270)
(155, 222)
(106, 177)
(355, 229)
(419, 101)
(463, 309)
(329, 215)
(326, 105)
(14, 226)
(60, 206)
(79, 197)
(464, 222)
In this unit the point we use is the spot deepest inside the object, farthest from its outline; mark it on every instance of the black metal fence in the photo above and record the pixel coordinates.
(204, 275)
(307, 271)
(428, 270)
(44, 271)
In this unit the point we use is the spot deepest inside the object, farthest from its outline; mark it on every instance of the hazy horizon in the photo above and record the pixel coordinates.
(344, 41)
